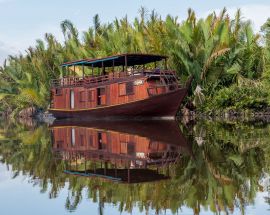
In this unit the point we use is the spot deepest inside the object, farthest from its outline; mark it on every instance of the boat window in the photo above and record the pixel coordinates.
(102, 91)
(123, 147)
(91, 141)
(129, 88)
(82, 140)
(58, 91)
(126, 88)
(122, 89)
(91, 95)
(130, 148)
(152, 91)
(82, 96)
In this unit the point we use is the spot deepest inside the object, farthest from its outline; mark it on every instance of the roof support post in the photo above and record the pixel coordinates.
(165, 63)
(92, 70)
(63, 73)
(74, 71)
(155, 64)
(68, 75)
(103, 68)
(126, 63)
(83, 71)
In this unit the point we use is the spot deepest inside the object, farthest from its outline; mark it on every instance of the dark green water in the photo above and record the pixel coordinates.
(206, 168)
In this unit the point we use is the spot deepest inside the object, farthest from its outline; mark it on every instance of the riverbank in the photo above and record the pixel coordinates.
(230, 115)
(184, 115)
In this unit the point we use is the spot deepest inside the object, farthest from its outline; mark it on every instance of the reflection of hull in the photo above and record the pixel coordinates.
(163, 105)
(130, 147)
(158, 130)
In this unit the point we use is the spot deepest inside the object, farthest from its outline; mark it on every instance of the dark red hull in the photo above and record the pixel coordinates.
(163, 105)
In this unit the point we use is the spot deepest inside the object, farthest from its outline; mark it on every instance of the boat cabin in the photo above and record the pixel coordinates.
(91, 84)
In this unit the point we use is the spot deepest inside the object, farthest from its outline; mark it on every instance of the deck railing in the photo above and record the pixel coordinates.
(88, 81)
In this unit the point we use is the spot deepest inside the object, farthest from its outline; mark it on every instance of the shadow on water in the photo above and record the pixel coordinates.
(212, 166)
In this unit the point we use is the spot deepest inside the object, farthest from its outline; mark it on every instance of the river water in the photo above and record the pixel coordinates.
(135, 167)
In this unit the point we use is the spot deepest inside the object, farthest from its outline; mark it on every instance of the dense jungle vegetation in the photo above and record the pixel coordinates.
(230, 62)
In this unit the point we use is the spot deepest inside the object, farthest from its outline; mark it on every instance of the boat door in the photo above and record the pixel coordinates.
(72, 99)
(101, 96)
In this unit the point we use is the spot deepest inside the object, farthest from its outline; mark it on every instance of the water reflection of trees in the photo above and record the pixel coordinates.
(223, 174)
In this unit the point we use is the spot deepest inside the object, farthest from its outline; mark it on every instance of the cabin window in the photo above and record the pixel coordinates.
(126, 88)
(58, 91)
(91, 95)
(152, 91)
(82, 140)
(130, 148)
(82, 96)
(123, 147)
(129, 88)
(122, 89)
(102, 91)
(91, 141)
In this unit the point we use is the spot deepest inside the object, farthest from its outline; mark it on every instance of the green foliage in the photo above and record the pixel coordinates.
(244, 97)
(216, 50)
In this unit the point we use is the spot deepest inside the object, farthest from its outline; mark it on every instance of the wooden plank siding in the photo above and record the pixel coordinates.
(87, 98)
(111, 142)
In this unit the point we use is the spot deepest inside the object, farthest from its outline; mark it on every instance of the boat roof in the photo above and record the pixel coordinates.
(117, 60)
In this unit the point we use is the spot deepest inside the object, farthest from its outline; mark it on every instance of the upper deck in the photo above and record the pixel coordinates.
(113, 77)
(112, 69)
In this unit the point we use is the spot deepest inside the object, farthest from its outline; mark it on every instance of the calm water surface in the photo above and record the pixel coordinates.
(139, 167)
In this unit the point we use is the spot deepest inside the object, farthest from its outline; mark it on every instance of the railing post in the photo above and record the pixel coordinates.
(126, 63)
(103, 68)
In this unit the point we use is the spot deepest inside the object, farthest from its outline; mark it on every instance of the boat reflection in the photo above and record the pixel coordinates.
(128, 152)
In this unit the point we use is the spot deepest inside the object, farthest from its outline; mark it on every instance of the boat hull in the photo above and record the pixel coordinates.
(163, 105)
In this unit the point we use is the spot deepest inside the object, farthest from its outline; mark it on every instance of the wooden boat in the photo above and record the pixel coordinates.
(129, 152)
(124, 87)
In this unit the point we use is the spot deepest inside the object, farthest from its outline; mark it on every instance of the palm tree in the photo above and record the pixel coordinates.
(217, 50)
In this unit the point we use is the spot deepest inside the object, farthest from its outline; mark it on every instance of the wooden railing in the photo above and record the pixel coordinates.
(87, 81)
